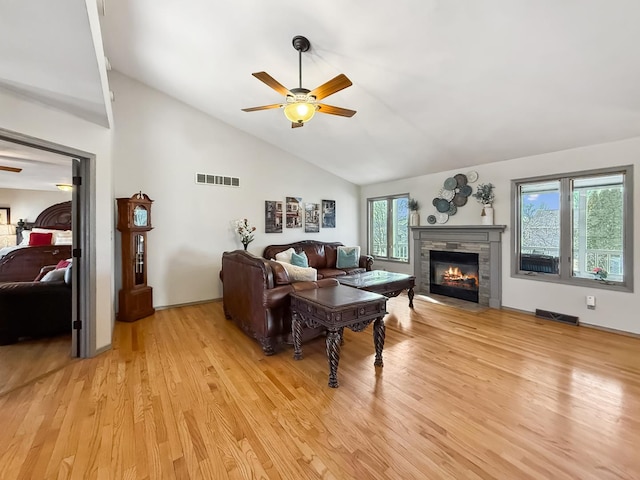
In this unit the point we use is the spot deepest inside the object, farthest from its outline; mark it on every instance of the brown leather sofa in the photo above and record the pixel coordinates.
(256, 290)
(35, 309)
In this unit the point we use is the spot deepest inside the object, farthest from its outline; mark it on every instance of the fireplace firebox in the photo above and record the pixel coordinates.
(454, 274)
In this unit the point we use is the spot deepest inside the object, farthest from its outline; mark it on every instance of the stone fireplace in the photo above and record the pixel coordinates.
(485, 241)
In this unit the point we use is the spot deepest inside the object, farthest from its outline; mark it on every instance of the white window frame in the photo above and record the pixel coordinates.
(390, 219)
(566, 226)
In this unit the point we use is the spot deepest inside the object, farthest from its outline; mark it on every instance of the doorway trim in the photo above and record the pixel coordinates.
(84, 238)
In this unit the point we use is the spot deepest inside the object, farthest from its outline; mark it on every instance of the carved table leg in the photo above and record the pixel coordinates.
(296, 330)
(410, 294)
(378, 340)
(333, 355)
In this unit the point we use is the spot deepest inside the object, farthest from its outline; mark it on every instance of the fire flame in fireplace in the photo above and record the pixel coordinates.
(454, 277)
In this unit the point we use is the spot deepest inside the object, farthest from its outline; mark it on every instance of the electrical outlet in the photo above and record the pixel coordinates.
(591, 302)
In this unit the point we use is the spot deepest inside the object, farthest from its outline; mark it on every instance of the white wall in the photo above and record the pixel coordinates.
(615, 310)
(45, 123)
(159, 145)
(27, 204)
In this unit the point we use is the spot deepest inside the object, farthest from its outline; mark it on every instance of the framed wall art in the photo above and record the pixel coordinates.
(5, 216)
(294, 212)
(328, 214)
(272, 216)
(311, 217)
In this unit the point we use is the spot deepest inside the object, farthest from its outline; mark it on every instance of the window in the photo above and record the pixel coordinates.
(570, 226)
(389, 228)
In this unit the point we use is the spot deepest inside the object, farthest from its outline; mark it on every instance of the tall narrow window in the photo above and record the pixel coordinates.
(389, 228)
(576, 228)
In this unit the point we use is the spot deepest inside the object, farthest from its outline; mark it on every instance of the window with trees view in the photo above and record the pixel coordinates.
(575, 228)
(389, 228)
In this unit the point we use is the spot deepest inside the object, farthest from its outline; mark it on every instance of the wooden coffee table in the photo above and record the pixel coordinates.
(389, 284)
(336, 308)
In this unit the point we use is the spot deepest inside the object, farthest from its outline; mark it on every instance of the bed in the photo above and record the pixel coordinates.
(22, 263)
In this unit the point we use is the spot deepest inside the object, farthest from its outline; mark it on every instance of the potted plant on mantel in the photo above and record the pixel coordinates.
(414, 216)
(484, 194)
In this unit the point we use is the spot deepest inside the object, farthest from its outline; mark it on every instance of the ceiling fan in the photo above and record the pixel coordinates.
(301, 104)
(10, 169)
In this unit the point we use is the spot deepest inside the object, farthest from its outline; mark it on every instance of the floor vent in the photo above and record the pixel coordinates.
(219, 180)
(557, 317)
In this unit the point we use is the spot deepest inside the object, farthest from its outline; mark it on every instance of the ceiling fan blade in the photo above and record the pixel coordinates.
(272, 82)
(10, 169)
(264, 107)
(296, 125)
(343, 112)
(332, 86)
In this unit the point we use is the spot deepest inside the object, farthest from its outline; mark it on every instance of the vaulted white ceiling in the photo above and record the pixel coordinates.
(437, 84)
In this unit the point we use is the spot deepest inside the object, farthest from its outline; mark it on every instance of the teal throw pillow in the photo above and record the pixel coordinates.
(299, 259)
(348, 257)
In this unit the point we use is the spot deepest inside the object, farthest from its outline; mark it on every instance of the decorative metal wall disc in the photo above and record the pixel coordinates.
(434, 202)
(472, 176)
(431, 219)
(450, 183)
(459, 200)
(465, 190)
(442, 205)
(461, 180)
(447, 194)
(442, 217)
(452, 209)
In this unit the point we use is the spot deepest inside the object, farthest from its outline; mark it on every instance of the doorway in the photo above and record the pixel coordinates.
(35, 358)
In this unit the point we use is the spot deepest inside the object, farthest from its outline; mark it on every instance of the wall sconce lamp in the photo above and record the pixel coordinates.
(65, 187)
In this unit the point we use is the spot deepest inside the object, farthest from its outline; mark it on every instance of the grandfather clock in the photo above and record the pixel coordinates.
(134, 221)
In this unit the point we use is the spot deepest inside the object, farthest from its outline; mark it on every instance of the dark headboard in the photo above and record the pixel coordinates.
(57, 217)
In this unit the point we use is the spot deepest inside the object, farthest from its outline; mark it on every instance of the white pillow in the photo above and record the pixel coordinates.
(285, 256)
(63, 237)
(25, 237)
(299, 274)
(54, 275)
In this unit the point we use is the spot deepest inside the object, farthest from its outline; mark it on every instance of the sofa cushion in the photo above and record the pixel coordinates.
(285, 256)
(348, 257)
(315, 255)
(299, 259)
(330, 272)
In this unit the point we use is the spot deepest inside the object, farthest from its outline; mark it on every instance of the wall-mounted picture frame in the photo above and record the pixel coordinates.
(294, 212)
(328, 214)
(272, 216)
(5, 216)
(311, 218)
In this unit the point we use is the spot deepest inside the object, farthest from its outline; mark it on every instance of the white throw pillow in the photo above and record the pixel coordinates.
(63, 237)
(299, 274)
(286, 255)
(25, 237)
(54, 275)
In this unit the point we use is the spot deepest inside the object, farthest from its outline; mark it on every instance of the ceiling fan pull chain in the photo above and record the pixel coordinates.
(300, 66)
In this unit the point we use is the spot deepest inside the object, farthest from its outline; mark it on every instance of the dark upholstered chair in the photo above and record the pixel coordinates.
(35, 309)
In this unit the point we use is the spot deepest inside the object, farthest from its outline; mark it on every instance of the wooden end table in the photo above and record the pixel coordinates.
(389, 284)
(336, 308)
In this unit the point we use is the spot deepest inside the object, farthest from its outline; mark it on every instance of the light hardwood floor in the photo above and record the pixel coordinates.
(462, 395)
(27, 360)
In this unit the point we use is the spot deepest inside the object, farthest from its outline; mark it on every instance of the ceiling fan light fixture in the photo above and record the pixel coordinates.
(299, 112)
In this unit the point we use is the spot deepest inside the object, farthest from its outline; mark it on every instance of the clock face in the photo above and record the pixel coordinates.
(140, 216)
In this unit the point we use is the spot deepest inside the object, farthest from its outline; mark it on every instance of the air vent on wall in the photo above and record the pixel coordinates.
(220, 180)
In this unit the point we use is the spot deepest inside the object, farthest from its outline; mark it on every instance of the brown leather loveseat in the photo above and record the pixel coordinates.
(256, 289)
(36, 309)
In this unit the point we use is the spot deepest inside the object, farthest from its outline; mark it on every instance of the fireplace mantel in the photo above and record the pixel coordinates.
(486, 240)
